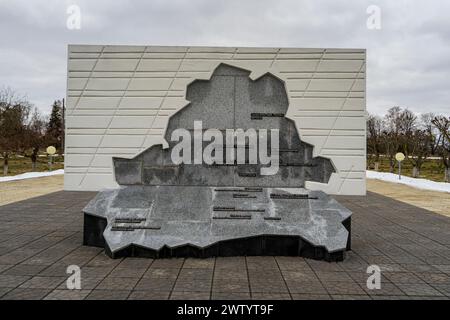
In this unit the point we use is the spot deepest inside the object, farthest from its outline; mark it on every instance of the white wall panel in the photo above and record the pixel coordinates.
(120, 98)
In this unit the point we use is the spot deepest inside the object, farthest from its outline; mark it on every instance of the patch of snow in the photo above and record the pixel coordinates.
(31, 175)
(412, 182)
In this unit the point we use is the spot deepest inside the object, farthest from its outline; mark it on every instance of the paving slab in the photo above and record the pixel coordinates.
(382, 226)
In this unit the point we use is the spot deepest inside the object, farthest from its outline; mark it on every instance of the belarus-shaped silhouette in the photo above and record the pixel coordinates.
(229, 100)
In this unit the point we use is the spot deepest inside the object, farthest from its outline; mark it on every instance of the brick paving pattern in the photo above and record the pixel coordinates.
(41, 237)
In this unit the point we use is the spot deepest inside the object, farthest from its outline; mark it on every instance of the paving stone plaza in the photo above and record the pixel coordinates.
(41, 237)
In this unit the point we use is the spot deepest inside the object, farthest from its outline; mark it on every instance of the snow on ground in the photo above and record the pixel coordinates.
(30, 175)
(412, 182)
(385, 176)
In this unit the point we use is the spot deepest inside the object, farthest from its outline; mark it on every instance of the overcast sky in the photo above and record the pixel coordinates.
(408, 58)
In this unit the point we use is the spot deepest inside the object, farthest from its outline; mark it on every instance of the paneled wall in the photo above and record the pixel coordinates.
(119, 100)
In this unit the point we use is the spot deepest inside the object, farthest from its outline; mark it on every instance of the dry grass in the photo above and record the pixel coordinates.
(18, 165)
(438, 202)
(13, 191)
(432, 169)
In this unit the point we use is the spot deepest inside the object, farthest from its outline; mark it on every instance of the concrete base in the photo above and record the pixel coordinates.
(177, 221)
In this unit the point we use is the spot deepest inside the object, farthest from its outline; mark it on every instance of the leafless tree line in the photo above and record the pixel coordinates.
(417, 136)
(24, 130)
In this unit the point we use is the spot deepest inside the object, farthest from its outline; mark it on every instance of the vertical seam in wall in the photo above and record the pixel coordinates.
(87, 81)
(235, 170)
(164, 99)
(112, 116)
(234, 102)
(234, 126)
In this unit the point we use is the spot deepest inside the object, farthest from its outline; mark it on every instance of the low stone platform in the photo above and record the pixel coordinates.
(195, 221)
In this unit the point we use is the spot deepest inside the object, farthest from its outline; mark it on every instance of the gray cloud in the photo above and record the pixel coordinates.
(408, 59)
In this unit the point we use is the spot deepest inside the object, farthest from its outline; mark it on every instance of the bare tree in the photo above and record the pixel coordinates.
(14, 112)
(374, 138)
(35, 136)
(402, 130)
(417, 148)
(442, 123)
(415, 143)
(391, 135)
(426, 123)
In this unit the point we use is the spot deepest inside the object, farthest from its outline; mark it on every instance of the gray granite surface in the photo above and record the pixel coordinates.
(165, 204)
(199, 216)
(227, 101)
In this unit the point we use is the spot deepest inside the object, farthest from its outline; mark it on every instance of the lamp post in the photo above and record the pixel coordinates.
(51, 150)
(399, 157)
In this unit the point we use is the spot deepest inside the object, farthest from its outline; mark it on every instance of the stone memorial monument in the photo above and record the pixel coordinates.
(229, 182)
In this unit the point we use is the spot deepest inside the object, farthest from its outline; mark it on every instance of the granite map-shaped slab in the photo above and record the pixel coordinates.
(164, 209)
(201, 221)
